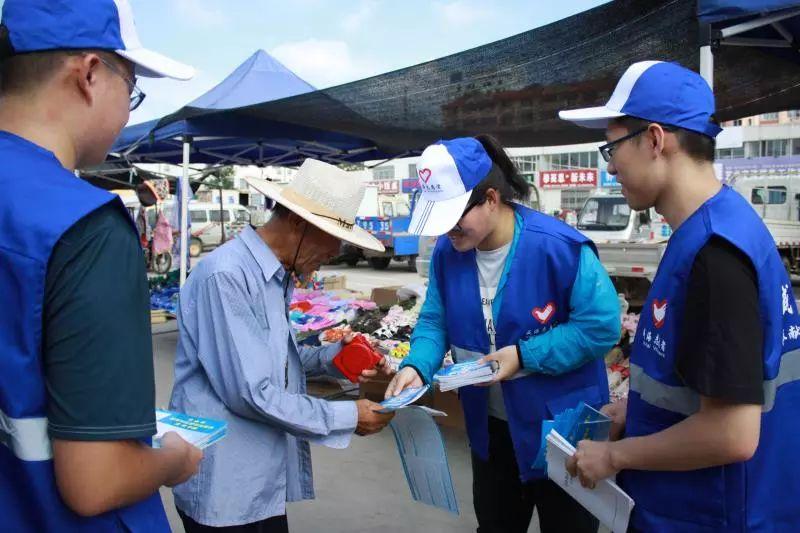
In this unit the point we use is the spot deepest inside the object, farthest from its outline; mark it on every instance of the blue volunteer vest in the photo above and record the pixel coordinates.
(762, 494)
(535, 298)
(40, 201)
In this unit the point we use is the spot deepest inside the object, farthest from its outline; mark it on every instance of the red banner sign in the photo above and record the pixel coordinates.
(568, 179)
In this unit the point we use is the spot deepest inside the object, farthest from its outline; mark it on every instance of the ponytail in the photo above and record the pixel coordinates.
(504, 176)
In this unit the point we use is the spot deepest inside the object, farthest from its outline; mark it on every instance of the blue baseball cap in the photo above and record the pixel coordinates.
(447, 172)
(657, 91)
(41, 25)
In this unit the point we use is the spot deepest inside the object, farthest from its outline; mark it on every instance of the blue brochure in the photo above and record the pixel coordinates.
(406, 397)
(200, 432)
(424, 458)
(574, 425)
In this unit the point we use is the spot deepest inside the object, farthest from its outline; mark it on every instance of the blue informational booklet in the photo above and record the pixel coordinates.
(583, 422)
(424, 458)
(200, 432)
(406, 397)
(462, 374)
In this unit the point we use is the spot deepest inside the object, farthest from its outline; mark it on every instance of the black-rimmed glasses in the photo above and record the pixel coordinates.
(607, 150)
(137, 96)
(467, 210)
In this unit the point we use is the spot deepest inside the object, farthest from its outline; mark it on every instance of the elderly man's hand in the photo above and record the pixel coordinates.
(370, 421)
(382, 368)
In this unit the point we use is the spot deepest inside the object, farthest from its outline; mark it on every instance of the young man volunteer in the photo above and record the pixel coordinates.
(76, 373)
(711, 427)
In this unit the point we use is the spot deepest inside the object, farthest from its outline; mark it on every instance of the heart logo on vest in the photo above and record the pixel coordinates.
(424, 175)
(659, 312)
(544, 314)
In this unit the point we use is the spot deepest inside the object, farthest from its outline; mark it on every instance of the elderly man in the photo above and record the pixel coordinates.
(238, 359)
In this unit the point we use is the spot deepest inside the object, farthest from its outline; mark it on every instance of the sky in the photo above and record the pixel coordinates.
(325, 42)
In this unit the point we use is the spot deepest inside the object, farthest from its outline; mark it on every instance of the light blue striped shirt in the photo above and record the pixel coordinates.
(238, 360)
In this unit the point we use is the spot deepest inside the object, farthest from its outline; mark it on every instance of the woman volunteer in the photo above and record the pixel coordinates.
(518, 287)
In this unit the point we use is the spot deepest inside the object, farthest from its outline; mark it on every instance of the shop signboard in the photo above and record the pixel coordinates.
(385, 186)
(579, 178)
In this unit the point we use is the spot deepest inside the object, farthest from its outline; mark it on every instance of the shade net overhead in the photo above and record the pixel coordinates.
(514, 88)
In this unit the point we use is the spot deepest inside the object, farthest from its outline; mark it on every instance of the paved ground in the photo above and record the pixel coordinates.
(359, 490)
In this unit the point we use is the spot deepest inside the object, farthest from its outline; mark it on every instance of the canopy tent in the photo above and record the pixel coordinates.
(118, 175)
(232, 138)
(511, 88)
(772, 26)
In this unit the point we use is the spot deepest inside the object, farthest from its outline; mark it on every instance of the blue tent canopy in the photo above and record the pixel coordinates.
(230, 137)
(260, 78)
(770, 25)
(721, 10)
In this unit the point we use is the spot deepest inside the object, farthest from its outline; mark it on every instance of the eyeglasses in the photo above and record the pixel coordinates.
(467, 210)
(607, 150)
(137, 96)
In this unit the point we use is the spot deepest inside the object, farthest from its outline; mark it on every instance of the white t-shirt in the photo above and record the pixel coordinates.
(490, 270)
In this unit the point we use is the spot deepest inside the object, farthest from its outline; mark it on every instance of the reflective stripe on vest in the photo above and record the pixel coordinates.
(685, 401)
(26, 437)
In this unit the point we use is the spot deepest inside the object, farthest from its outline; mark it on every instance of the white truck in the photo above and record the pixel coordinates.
(631, 244)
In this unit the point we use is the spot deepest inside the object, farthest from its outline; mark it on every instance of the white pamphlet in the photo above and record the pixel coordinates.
(609, 503)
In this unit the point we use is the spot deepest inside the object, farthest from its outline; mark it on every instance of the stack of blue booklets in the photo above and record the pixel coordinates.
(200, 432)
(582, 422)
(462, 374)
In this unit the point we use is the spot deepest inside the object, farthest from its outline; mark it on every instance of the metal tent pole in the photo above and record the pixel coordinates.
(185, 188)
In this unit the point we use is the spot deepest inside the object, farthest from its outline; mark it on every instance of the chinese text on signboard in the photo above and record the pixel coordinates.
(568, 179)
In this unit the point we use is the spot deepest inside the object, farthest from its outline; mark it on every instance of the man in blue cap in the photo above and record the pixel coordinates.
(76, 374)
(710, 427)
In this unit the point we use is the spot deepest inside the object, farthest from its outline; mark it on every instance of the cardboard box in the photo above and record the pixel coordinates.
(385, 296)
(336, 282)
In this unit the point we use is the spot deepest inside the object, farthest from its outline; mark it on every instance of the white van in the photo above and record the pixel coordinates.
(205, 226)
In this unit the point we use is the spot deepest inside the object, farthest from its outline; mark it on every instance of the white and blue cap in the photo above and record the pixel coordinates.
(41, 25)
(657, 91)
(447, 171)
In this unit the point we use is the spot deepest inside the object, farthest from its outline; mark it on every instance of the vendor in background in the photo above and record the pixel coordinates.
(518, 287)
(238, 359)
(711, 425)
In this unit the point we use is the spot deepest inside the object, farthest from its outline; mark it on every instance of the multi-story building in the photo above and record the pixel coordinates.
(565, 176)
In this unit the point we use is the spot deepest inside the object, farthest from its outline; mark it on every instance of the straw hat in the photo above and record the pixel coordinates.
(327, 197)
